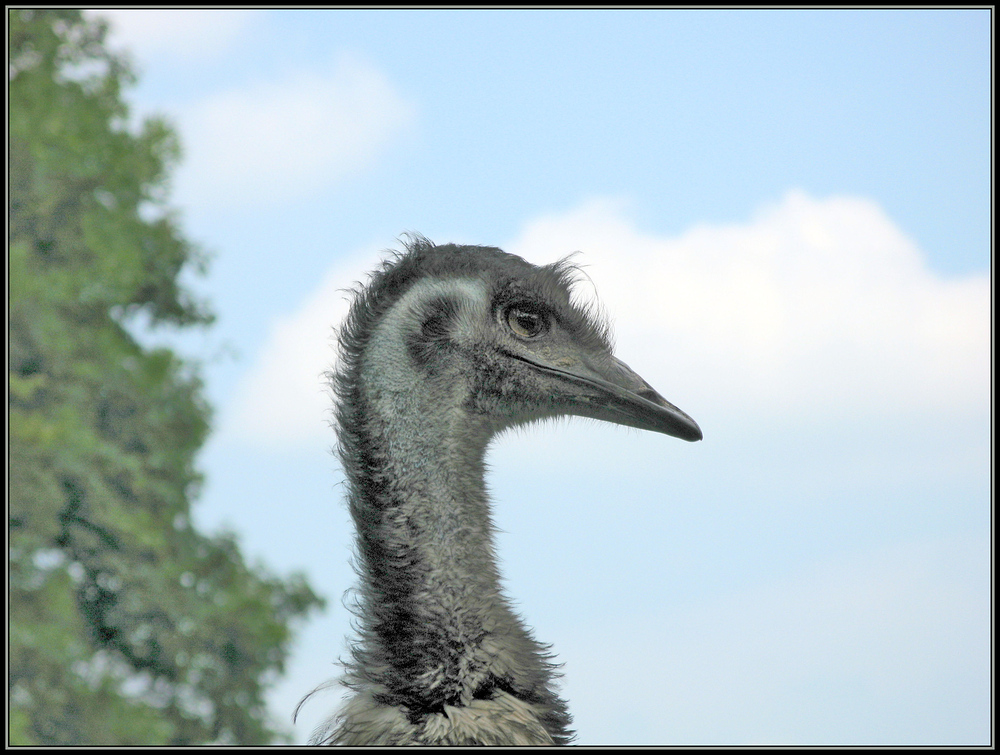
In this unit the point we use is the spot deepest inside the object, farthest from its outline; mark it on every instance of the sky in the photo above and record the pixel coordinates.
(786, 215)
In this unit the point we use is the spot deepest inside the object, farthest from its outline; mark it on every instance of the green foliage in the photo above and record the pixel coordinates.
(127, 626)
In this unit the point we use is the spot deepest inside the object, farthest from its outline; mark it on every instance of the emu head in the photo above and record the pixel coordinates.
(495, 341)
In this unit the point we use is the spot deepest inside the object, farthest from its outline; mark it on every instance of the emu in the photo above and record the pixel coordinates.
(445, 347)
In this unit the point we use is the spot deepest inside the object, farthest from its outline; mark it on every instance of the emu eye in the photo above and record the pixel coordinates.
(526, 323)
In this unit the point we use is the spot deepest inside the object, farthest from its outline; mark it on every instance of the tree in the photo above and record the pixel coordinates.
(127, 626)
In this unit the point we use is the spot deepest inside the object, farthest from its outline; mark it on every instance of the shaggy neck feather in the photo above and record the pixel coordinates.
(442, 658)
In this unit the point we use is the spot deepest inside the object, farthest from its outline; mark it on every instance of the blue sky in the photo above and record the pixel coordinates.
(787, 215)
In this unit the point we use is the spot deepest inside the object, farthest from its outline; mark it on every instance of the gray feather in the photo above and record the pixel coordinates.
(437, 355)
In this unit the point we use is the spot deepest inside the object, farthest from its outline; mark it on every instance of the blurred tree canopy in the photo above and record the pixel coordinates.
(126, 625)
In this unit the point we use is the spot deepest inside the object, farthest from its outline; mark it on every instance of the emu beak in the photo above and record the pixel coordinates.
(613, 392)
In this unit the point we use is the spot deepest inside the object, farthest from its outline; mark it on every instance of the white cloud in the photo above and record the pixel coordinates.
(814, 308)
(286, 138)
(184, 35)
(284, 397)
(270, 140)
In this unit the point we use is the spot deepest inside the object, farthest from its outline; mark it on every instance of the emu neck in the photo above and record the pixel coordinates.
(436, 506)
(441, 657)
(437, 624)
